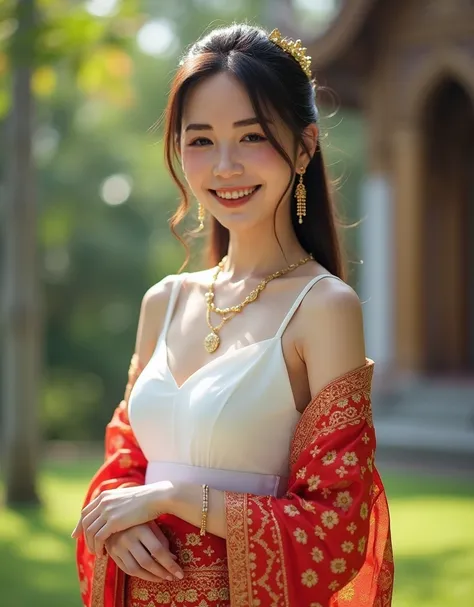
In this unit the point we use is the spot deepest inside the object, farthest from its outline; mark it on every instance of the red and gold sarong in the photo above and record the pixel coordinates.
(324, 543)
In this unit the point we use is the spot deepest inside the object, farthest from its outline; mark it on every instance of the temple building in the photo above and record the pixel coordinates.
(408, 68)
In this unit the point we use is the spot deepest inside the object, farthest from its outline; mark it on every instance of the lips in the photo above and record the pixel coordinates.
(236, 200)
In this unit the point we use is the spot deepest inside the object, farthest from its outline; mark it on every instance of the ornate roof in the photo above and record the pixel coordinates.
(342, 32)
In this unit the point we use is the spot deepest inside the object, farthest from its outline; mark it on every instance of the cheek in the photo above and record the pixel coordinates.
(268, 163)
(268, 160)
(195, 165)
(263, 155)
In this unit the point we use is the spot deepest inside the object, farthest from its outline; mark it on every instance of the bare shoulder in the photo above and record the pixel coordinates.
(332, 332)
(153, 311)
(331, 299)
(155, 301)
(152, 315)
(157, 296)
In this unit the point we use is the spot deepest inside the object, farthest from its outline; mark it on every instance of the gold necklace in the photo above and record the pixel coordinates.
(212, 341)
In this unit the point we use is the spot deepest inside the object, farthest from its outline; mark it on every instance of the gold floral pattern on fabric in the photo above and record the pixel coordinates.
(198, 588)
(335, 396)
(281, 551)
(206, 578)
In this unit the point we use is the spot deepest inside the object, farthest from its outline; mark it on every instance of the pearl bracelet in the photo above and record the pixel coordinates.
(205, 508)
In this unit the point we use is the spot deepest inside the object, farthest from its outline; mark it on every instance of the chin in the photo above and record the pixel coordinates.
(240, 222)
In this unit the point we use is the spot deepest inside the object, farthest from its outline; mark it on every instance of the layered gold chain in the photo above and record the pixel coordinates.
(212, 341)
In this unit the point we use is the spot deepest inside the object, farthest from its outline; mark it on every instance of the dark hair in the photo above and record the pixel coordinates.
(275, 81)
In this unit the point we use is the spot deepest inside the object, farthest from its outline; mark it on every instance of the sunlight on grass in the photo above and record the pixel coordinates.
(432, 527)
(37, 565)
(433, 541)
(432, 531)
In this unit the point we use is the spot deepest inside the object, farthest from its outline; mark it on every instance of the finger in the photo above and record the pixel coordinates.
(90, 534)
(148, 563)
(161, 554)
(133, 568)
(90, 506)
(77, 529)
(84, 513)
(91, 521)
(101, 536)
(161, 537)
(159, 534)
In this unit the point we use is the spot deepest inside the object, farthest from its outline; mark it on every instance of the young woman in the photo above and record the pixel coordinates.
(239, 467)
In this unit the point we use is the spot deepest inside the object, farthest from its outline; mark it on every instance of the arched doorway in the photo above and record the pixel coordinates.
(448, 231)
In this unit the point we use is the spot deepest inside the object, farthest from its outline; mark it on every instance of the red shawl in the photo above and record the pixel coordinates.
(325, 543)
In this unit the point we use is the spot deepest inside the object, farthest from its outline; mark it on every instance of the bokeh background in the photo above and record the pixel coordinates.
(84, 209)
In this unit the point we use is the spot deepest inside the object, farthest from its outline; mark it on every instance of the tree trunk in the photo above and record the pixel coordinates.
(21, 303)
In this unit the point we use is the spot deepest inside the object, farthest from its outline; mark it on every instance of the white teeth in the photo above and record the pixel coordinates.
(235, 194)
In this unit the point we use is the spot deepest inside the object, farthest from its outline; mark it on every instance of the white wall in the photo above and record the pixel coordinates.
(377, 272)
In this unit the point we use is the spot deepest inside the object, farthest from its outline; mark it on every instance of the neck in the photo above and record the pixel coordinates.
(257, 253)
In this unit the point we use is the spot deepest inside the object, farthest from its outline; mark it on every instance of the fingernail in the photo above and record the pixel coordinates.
(179, 575)
(169, 578)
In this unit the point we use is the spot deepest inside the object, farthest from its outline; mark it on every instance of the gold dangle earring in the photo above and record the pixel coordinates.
(201, 216)
(301, 197)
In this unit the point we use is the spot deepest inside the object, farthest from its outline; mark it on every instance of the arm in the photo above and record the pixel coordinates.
(152, 316)
(125, 464)
(333, 493)
(332, 344)
(328, 539)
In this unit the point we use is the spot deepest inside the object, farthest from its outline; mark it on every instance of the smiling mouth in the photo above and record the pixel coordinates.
(231, 198)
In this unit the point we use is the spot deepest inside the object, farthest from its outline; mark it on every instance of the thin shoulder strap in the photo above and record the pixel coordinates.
(299, 299)
(175, 289)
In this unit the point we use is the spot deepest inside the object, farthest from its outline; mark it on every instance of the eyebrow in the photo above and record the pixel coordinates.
(208, 127)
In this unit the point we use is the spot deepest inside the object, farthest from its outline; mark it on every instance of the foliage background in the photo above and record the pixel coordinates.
(102, 71)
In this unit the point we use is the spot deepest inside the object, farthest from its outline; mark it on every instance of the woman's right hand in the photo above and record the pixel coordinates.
(143, 551)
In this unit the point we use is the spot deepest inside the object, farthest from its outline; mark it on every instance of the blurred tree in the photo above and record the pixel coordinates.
(22, 305)
(100, 79)
(35, 39)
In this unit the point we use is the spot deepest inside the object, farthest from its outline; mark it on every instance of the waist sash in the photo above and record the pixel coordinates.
(223, 480)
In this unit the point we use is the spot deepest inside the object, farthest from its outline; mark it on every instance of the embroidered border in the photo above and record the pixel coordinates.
(237, 505)
(240, 540)
(237, 549)
(206, 586)
(282, 561)
(359, 380)
(271, 549)
(98, 581)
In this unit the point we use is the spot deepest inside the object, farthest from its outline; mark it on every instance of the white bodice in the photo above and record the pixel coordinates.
(236, 413)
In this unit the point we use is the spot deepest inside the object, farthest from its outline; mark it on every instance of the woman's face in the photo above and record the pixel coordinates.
(230, 166)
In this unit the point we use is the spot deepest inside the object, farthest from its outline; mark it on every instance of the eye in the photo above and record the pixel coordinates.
(200, 142)
(254, 138)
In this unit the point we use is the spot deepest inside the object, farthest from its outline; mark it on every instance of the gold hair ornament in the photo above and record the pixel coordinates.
(294, 48)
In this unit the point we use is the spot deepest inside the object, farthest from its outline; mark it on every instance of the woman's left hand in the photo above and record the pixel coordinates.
(118, 509)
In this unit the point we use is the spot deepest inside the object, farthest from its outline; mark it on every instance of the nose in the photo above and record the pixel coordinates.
(226, 165)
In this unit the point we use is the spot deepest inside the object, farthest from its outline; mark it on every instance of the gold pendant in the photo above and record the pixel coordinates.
(211, 343)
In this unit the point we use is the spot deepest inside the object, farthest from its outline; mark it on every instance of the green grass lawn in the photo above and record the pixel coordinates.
(432, 524)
